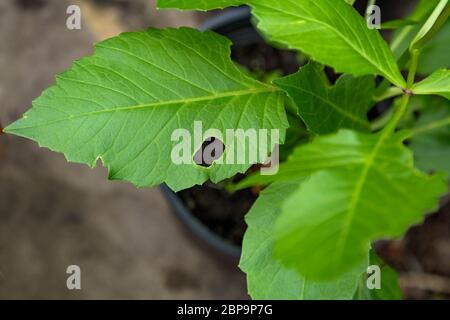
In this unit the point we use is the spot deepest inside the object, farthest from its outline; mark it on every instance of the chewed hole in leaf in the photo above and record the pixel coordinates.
(212, 149)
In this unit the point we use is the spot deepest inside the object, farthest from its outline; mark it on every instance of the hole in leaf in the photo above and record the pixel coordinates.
(211, 150)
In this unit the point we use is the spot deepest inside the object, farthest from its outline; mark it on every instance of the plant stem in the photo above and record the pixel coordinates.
(412, 68)
(400, 111)
(403, 107)
(397, 116)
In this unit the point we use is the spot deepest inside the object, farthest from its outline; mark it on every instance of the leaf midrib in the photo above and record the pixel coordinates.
(216, 96)
(355, 196)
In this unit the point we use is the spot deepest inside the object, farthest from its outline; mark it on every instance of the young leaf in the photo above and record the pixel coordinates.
(330, 31)
(198, 4)
(432, 25)
(267, 278)
(362, 188)
(423, 9)
(437, 83)
(403, 37)
(326, 109)
(431, 135)
(122, 105)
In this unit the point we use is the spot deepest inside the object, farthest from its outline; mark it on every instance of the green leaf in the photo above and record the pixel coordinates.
(437, 83)
(325, 109)
(331, 32)
(390, 286)
(198, 4)
(435, 54)
(431, 135)
(267, 278)
(122, 105)
(361, 188)
(436, 20)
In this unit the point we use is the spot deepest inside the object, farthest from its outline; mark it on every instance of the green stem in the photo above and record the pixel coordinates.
(413, 68)
(397, 116)
(400, 111)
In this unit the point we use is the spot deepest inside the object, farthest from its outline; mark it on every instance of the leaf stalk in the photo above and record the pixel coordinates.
(413, 68)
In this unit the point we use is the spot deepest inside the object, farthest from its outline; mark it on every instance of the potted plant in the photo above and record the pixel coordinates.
(169, 106)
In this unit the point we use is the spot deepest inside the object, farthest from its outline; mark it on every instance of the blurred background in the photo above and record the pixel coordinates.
(127, 242)
(53, 214)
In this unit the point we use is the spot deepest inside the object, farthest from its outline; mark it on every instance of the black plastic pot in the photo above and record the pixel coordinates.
(251, 50)
(200, 231)
(236, 25)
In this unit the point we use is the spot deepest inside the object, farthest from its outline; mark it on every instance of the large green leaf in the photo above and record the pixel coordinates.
(331, 32)
(431, 135)
(326, 109)
(437, 83)
(122, 105)
(267, 278)
(361, 188)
